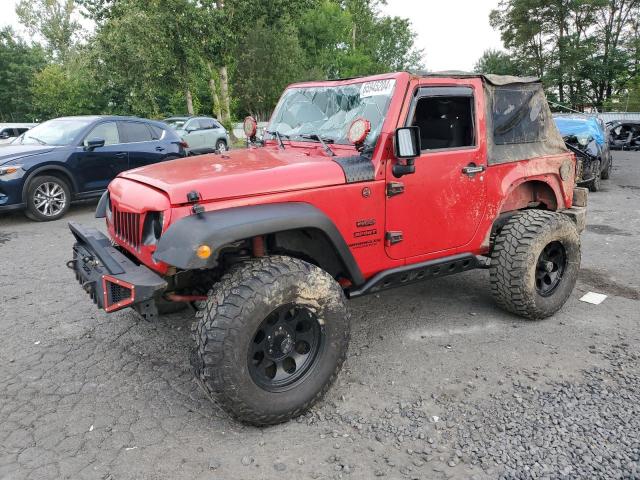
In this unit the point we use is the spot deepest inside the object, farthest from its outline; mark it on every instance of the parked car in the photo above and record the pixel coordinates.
(73, 158)
(202, 134)
(589, 138)
(624, 135)
(358, 186)
(10, 131)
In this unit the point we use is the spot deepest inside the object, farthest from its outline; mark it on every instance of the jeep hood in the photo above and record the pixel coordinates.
(12, 153)
(240, 173)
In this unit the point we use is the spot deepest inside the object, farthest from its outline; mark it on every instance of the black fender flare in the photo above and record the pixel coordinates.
(177, 246)
(101, 209)
(45, 168)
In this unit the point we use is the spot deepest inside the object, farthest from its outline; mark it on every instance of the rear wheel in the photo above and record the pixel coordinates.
(535, 263)
(48, 198)
(271, 339)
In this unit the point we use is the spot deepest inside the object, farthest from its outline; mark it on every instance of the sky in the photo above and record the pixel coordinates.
(453, 33)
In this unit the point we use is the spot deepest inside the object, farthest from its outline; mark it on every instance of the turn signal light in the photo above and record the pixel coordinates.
(203, 252)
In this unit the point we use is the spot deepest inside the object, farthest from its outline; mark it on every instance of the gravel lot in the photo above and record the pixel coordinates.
(439, 383)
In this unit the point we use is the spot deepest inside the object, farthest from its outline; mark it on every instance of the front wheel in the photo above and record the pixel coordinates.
(596, 183)
(606, 174)
(535, 263)
(48, 198)
(271, 339)
(221, 146)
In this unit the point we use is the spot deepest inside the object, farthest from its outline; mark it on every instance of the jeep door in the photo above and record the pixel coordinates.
(95, 168)
(443, 202)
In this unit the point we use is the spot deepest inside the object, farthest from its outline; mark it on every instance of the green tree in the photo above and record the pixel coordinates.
(70, 89)
(19, 63)
(267, 52)
(54, 21)
(497, 63)
(580, 48)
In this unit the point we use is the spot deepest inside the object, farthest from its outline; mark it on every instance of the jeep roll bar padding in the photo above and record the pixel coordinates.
(177, 246)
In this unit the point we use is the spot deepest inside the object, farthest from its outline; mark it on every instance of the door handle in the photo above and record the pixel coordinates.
(159, 149)
(473, 169)
(120, 155)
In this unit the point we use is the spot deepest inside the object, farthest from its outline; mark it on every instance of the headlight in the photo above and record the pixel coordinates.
(9, 169)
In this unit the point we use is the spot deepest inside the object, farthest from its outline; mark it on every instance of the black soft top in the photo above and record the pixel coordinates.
(519, 121)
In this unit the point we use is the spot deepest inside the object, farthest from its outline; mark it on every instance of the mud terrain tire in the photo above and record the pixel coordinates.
(245, 307)
(535, 263)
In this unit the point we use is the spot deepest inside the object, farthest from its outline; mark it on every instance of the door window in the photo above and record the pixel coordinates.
(156, 132)
(192, 125)
(206, 123)
(107, 131)
(445, 121)
(134, 132)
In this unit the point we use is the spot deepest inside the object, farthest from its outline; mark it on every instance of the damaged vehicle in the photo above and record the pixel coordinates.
(625, 135)
(587, 137)
(358, 186)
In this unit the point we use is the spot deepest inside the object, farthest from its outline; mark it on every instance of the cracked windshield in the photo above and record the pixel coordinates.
(328, 111)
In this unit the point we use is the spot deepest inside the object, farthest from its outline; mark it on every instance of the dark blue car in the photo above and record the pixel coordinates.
(75, 158)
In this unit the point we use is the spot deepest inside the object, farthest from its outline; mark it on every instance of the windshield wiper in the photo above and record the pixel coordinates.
(279, 136)
(41, 142)
(323, 141)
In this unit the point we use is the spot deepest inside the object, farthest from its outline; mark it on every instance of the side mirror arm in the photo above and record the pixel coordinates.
(406, 168)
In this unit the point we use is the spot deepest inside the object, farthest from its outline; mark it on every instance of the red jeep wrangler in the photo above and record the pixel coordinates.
(357, 186)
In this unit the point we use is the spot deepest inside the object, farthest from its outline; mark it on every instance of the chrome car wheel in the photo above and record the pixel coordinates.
(49, 199)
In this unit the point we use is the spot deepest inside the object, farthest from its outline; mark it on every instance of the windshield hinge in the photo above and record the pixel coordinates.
(393, 237)
(394, 188)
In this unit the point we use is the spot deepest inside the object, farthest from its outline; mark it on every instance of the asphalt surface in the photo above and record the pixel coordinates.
(439, 382)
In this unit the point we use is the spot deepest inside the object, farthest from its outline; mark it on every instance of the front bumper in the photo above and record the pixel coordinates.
(111, 279)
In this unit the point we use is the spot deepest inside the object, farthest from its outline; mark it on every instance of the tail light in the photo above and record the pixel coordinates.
(184, 144)
(117, 294)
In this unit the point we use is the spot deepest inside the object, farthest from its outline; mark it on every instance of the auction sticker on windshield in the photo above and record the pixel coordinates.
(378, 87)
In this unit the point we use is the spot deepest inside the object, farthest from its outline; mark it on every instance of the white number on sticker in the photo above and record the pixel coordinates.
(378, 87)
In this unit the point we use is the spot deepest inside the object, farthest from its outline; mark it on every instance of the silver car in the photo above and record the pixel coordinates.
(10, 131)
(202, 134)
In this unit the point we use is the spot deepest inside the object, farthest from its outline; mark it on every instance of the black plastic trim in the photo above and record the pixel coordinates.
(101, 209)
(356, 169)
(13, 206)
(94, 257)
(408, 274)
(178, 244)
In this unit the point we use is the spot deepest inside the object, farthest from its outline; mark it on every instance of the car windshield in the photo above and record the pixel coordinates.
(61, 131)
(176, 123)
(329, 111)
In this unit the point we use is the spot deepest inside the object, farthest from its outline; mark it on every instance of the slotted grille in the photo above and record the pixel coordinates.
(127, 226)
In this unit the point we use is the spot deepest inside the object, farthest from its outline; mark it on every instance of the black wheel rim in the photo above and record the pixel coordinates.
(285, 348)
(550, 268)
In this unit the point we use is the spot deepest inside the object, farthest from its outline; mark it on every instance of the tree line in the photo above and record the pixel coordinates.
(586, 51)
(154, 58)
